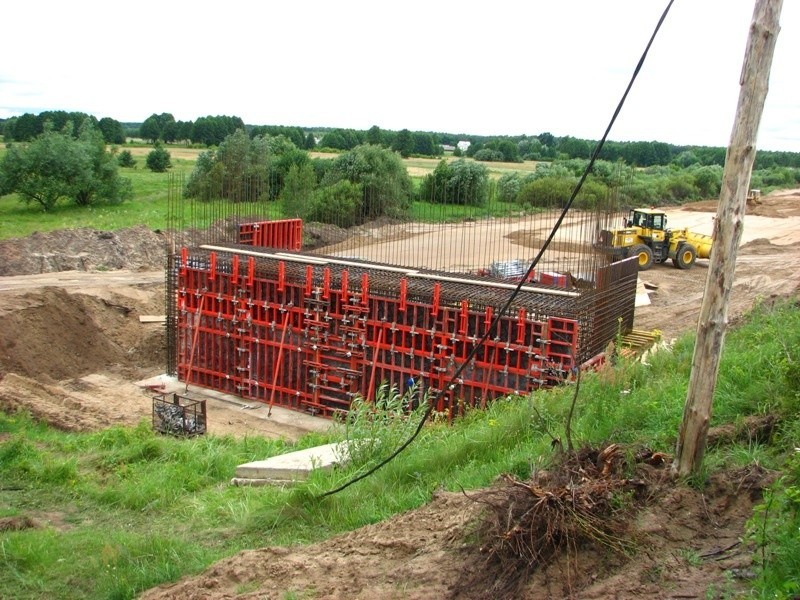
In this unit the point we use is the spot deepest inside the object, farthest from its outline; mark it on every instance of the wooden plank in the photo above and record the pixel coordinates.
(152, 318)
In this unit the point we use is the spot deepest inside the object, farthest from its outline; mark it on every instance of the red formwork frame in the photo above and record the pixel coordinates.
(286, 234)
(312, 339)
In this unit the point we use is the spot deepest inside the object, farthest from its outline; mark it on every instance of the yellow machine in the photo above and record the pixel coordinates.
(646, 236)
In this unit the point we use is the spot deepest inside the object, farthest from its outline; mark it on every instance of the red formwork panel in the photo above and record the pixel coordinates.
(312, 340)
(286, 234)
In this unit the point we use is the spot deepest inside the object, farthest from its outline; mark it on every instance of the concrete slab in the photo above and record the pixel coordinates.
(642, 295)
(290, 467)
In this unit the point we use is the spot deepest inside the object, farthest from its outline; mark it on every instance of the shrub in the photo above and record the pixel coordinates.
(459, 182)
(158, 160)
(338, 204)
(508, 187)
(125, 159)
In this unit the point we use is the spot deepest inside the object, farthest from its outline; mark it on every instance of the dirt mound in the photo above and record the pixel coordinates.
(82, 250)
(86, 404)
(779, 204)
(683, 540)
(54, 335)
(318, 235)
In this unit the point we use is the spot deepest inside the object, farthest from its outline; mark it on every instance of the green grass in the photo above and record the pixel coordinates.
(149, 208)
(141, 509)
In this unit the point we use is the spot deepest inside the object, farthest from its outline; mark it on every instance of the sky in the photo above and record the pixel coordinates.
(457, 66)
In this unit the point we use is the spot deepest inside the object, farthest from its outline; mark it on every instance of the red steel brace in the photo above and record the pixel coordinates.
(281, 276)
(309, 280)
(345, 293)
(235, 270)
(364, 289)
(522, 322)
(437, 290)
(251, 270)
(403, 294)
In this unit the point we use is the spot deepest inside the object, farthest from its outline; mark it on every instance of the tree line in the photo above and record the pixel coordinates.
(210, 131)
(271, 163)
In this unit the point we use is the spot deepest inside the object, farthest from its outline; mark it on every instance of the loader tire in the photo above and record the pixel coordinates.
(685, 256)
(643, 254)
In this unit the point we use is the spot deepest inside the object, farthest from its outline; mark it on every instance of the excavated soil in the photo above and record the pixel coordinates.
(684, 544)
(71, 343)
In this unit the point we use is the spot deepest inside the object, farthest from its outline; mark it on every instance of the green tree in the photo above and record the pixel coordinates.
(458, 182)
(28, 126)
(158, 127)
(293, 134)
(547, 192)
(424, 145)
(311, 142)
(125, 159)
(508, 187)
(403, 143)
(112, 130)
(488, 155)
(158, 159)
(341, 139)
(211, 131)
(708, 181)
(101, 180)
(547, 139)
(244, 169)
(338, 203)
(382, 177)
(374, 136)
(183, 131)
(56, 166)
(298, 191)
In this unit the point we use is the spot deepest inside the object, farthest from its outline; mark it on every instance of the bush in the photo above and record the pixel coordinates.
(508, 187)
(459, 182)
(158, 160)
(488, 155)
(337, 204)
(381, 176)
(125, 159)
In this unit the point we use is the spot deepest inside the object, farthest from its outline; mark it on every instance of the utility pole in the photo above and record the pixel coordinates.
(728, 227)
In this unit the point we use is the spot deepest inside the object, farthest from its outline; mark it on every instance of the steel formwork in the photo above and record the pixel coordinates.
(311, 332)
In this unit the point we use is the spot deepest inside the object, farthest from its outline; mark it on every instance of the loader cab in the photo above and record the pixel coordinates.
(647, 218)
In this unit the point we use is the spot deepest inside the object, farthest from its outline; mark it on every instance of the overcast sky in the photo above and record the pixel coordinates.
(489, 68)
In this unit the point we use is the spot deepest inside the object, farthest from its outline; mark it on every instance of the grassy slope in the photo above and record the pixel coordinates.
(141, 509)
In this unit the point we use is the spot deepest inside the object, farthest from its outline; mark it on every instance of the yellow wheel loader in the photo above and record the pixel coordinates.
(645, 236)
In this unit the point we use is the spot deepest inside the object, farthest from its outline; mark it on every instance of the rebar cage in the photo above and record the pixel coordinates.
(250, 313)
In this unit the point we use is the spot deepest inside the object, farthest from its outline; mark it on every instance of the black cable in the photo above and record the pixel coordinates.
(476, 348)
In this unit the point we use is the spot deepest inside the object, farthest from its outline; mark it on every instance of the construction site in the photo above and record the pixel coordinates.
(78, 299)
(400, 305)
(76, 338)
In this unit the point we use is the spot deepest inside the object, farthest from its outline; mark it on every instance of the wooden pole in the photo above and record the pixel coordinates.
(728, 227)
